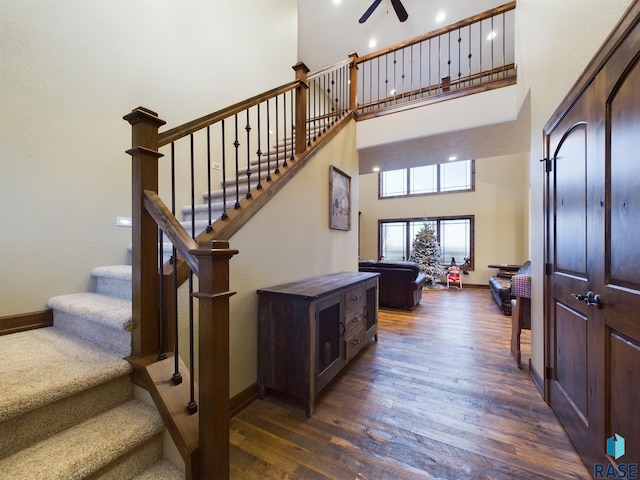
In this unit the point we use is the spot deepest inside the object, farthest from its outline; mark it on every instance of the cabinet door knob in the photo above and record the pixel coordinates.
(355, 320)
(356, 341)
(356, 298)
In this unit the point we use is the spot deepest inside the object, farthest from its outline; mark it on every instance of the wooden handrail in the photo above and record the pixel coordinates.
(172, 228)
(421, 38)
(193, 126)
(452, 82)
(329, 68)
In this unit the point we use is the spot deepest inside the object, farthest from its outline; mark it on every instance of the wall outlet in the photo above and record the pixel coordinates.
(123, 221)
(215, 166)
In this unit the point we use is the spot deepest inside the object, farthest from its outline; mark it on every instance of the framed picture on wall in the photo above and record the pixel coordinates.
(339, 199)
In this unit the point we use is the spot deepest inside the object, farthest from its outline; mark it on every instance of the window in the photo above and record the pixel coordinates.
(428, 179)
(455, 235)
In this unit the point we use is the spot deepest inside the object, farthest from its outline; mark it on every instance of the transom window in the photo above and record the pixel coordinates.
(455, 236)
(443, 177)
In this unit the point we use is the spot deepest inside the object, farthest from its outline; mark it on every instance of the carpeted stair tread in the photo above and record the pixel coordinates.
(96, 307)
(113, 280)
(119, 272)
(163, 470)
(42, 366)
(102, 319)
(87, 448)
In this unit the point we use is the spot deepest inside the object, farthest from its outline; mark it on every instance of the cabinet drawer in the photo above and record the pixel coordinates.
(354, 304)
(354, 343)
(353, 322)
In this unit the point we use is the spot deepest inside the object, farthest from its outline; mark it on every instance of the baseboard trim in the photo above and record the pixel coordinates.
(243, 399)
(537, 379)
(25, 321)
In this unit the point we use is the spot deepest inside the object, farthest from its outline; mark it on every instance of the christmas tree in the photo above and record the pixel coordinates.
(426, 253)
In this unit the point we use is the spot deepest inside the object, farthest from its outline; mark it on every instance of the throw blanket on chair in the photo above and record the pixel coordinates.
(522, 285)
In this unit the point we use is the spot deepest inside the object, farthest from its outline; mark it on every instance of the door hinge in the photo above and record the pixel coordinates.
(548, 167)
(548, 373)
(548, 269)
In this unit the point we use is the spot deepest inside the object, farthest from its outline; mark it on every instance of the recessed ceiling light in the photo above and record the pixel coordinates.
(372, 43)
(492, 35)
(376, 169)
(337, 2)
(392, 92)
(440, 17)
(453, 158)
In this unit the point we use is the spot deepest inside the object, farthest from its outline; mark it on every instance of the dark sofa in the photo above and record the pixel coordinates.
(500, 287)
(400, 283)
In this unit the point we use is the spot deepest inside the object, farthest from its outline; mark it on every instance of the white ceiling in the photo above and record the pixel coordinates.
(329, 31)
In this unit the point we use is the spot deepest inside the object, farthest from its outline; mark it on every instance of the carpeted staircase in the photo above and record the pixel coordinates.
(67, 409)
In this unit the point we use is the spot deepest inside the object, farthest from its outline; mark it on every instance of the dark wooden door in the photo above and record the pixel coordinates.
(621, 289)
(592, 302)
(575, 353)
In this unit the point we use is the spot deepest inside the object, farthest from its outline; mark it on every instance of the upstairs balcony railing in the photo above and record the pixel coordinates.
(460, 58)
(196, 184)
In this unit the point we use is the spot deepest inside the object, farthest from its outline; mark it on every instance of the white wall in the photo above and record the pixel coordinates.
(70, 71)
(555, 42)
(499, 204)
(486, 108)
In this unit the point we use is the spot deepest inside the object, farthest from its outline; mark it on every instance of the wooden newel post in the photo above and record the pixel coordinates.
(213, 380)
(301, 107)
(353, 81)
(144, 176)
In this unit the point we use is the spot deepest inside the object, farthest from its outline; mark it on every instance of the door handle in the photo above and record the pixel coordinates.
(590, 299)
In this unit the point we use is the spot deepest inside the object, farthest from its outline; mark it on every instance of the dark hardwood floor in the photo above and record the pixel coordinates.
(438, 396)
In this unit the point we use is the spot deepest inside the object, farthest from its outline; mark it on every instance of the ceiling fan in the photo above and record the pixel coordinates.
(397, 6)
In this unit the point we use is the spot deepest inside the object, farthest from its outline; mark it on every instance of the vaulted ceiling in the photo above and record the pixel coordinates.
(329, 31)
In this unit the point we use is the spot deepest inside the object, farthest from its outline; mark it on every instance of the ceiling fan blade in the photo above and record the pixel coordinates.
(400, 10)
(369, 11)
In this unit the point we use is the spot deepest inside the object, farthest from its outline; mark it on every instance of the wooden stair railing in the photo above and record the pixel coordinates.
(202, 434)
(304, 114)
(469, 56)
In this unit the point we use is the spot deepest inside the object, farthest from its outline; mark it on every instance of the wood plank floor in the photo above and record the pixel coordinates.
(438, 396)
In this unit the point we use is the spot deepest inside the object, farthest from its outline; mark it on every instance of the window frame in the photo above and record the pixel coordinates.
(438, 175)
(437, 220)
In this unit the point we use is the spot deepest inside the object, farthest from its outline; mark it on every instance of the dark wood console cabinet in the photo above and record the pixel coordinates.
(309, 330)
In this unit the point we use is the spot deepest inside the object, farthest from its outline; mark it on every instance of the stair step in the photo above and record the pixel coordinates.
(63, 381)
(202, 214)
(101, 319)
(230, 183)
(162, 470)
(103, 446)
(114, 280)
